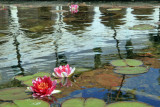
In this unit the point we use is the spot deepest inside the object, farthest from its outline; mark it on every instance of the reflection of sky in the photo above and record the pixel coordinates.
(101, 93)
(147, 82)
(38, 54)
(146, 86)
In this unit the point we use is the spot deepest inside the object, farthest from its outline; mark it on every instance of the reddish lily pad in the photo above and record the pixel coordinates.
(128, 104)
(108, 80)
(13, 93)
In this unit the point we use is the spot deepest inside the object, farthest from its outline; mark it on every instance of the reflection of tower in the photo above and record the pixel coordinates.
(60, 58)
(97, 57)
(129, 49)
(15, 31)
(117, 44)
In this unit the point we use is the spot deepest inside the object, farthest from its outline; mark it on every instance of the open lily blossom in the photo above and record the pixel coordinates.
(43, 86)
(74, 8)
(63, 71)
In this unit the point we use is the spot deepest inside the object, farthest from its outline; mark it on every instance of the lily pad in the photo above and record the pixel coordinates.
(31, 103)
(142, 27)
(108, 80)
(128, 104)
(94, 102)
(27, 80)
(15, 93)
(81, 70)
(126, 62)
(6, 104)
(37, 28)
(114, 9)
(131, 70)
(80, 102)
(75, 102)
(2, 34)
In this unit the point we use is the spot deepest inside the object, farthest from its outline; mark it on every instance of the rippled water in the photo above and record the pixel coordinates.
(37, 38)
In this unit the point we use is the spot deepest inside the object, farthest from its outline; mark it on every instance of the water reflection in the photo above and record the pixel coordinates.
(15, 32)
(143, 13)
(43, 37)
(80, 21)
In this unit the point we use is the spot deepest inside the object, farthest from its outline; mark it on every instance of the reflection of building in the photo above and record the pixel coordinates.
(143, 13)
(112, 18)
(4, 19)
(50, 36)
(36, 21)
(78, 22)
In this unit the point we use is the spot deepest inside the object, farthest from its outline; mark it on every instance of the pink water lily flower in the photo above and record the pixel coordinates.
(63, 71)
(43, 86)
(74, 8)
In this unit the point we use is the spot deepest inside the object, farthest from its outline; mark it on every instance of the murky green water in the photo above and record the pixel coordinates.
(36, 38)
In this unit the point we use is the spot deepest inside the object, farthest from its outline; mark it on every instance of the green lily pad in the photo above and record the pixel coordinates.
(128, 104)
(142, 27)
(114, 9)
(118, 63)
(126, 62)
(6, 104)
(94, 102)
(80, 102)
(133, 62)
(81, 70)
(2, 34)
(37, 28)
(131, 70)
(13, 93)
(27, 80)
(75, 102)
(31, 103)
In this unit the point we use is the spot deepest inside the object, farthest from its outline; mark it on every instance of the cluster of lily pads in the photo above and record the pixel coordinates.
(42, 85)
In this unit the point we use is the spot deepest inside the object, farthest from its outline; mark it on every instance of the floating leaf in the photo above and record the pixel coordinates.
(80, 102)
(31, 103)
(125, 62)
(94, 102)
(114, 9)
(81, 70)
(27, 80)
(133, 62)
(39, 74)
(128, 104)
(13, 93)
(6, 104)
(75, 102)
(118, 63)
(131, 70)
(108, 80)
(142, 27)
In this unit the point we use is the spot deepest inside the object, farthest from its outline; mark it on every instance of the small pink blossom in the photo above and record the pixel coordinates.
(43, 86)
(74, 8)
(63, 71)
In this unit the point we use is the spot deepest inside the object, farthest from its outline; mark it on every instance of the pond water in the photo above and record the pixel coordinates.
(39, 36)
